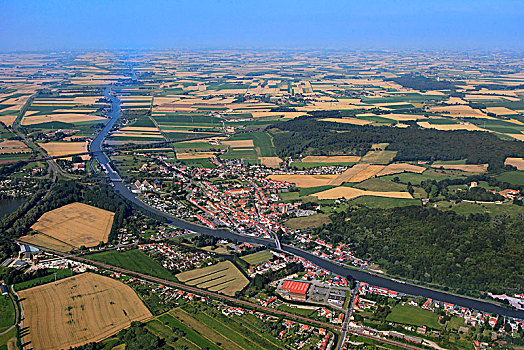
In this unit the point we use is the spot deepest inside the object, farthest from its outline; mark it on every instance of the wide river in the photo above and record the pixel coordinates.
(358, 275)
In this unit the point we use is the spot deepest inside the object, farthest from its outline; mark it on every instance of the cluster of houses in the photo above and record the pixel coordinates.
(321, 334)
(266, 266)
(471, 317)
(508, 193)
(340, 253)
(174, 258)
(314, 272)
(365, 288)
(249, 204)
(14, 189)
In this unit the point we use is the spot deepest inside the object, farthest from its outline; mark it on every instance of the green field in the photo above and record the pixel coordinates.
(262, 141)
(133, 260)
(186, 119)
(430, 174)
(240, 154)
(5, 338)
(376, 184)
(414, 316)
(384, 202)
(512, 177)
(60, 274)
(201, 146)
(7, 310)
(258, 257)
(200, 163)
(456, 322)
(493, 209)
(378, 119)
(449, 162)
(308, 221)
(163, 329)
(298, 311)
(289, 196)
(205, 328)
(237, 332)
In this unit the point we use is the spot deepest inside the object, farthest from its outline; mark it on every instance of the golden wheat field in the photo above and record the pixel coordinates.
(347, 120)
(351, 193)
(305, 180)
(60, 117)
(76, 224)
(56, 149)
(42, 240)
(8, 120)
(330, 159)
(469, 127)
(78, 310)
(516, 162)
(13, 146)
(195, 155)
(401, 168)
(239, 143)
(272, 162)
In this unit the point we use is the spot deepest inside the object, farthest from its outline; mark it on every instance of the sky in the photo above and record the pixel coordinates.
(28, 25)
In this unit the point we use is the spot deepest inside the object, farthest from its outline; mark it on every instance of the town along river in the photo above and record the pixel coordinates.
(358, 275)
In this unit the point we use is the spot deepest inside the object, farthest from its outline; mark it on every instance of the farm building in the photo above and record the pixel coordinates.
(294, 290)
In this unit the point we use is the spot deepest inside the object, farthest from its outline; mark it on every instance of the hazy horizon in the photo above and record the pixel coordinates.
(49, 25)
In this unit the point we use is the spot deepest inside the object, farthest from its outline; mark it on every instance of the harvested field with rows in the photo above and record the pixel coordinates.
(78, 310)
(223, 278)
(76, 224)
(474, 168)
(56, 149)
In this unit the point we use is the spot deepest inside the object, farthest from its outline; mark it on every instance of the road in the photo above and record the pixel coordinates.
(347, 318)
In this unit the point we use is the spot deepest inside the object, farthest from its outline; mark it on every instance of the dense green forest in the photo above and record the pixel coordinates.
(308, 136)
(419, 82)
(477, 252)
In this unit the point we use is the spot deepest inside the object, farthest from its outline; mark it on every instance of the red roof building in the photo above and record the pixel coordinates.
(295, 287)
(297, 290)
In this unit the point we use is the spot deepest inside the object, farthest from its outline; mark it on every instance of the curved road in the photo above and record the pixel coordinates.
(358, 275)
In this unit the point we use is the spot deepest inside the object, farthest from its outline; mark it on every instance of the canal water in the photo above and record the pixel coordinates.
(9, 205)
